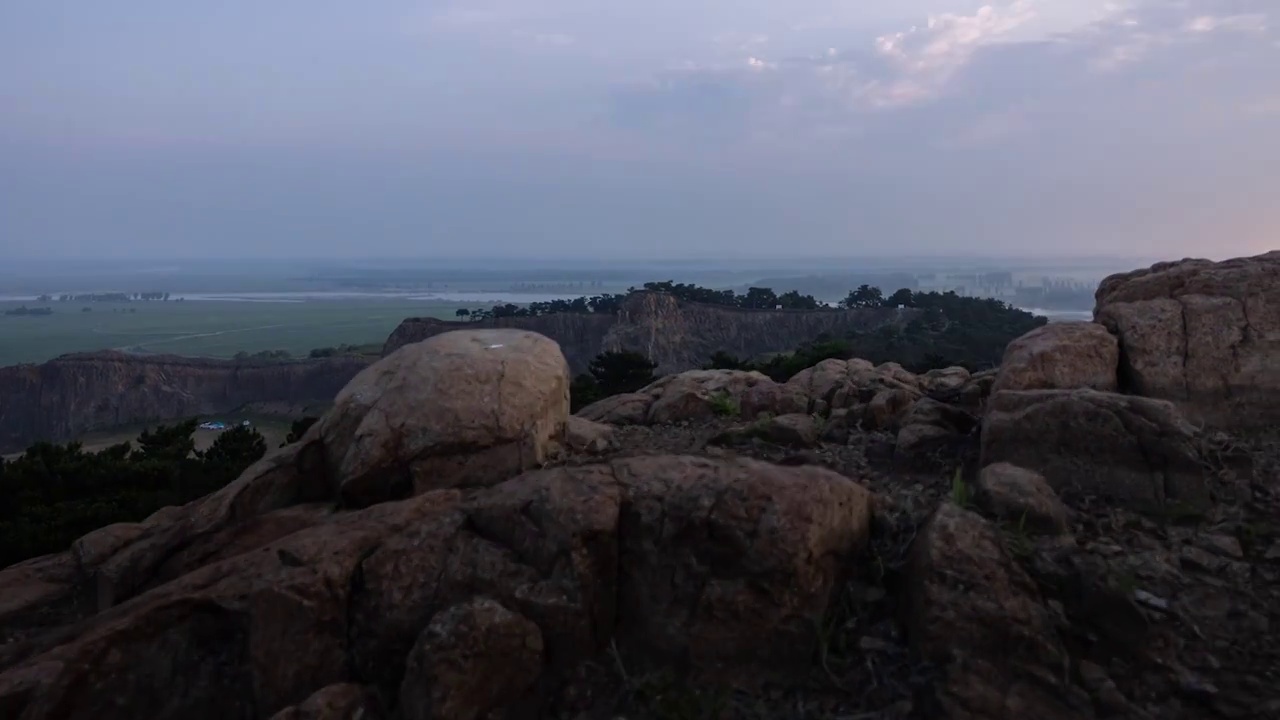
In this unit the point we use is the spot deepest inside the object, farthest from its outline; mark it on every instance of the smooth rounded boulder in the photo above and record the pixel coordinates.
(463, 409)
(1022, 497)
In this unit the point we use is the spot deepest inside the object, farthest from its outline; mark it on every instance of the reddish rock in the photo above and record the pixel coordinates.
(718, 567)
(1201, 334)
(462, 409)
(1021, 498)
(1061, 356)
(472, 659)
(977, 616)
(1132, 450)
(586, 436)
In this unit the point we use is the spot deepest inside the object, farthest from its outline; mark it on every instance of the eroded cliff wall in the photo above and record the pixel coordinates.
(74, 394)
(678, 336)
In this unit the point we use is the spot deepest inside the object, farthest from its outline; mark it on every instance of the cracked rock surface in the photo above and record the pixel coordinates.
(1204, 335)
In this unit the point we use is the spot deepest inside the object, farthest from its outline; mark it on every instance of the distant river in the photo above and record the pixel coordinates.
(1061, 315)
(461, 298)
(468, 298)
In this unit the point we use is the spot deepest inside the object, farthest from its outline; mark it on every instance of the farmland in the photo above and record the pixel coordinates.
(209, 328)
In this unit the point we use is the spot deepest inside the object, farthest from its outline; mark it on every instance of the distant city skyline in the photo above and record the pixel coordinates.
(751, 129)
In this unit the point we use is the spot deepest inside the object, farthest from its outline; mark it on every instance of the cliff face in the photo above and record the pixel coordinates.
(83, 392)
(678, 336)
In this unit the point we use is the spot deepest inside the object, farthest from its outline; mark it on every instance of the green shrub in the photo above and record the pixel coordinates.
(53, 494)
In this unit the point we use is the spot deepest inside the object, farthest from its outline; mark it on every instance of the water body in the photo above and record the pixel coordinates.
(461, 298)
(465, 298)
(1061, 315)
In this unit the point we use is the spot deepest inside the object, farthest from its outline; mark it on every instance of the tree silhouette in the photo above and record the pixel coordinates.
(237, 447)
(901, 297)
(298, 429)
(621, 372)
(864, 297)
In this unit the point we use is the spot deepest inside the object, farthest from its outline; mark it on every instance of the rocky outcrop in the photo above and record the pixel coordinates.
(1201, 334)
(977, 615)
(1131, 450)
(74, 394)
(1061, 356)
(719, 567)
(267, 597)
(877, 397)
(677, 335)
(643, 553)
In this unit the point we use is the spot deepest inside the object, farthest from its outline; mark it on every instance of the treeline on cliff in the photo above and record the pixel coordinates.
(755, 298)
(53, 494)
(945, 330)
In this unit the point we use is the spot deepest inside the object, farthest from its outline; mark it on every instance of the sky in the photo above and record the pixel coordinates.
(663, 129)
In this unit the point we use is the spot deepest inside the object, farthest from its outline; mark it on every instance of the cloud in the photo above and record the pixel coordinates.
(1153, 29)
(979, 64)
(1251, 22)
(926, 58)
(839, 124)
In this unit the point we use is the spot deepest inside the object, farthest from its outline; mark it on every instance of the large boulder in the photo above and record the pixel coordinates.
(701, 394)
(1133, 450)
(694, 395)
(461, 409)
(719, 569)
(944, 382)
(1202, 334)
(1022, 498)
(725, 566)
(931, 432)
(830, 386)
(586, 436)
(465, 408)
(622, 409)
(471, 659)
(977, 616)
(886, 410)
(843, 384)
(1061, 356)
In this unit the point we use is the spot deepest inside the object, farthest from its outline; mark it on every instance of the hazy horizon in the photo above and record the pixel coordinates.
(745, 131)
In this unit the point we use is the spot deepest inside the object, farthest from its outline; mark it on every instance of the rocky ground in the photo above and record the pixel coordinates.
(863, 668)
(1181, 621)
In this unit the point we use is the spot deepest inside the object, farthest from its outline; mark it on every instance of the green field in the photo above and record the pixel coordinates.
(209, 328)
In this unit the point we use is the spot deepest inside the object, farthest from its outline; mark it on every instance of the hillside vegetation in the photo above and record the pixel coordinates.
(949, 331)
(53, 494)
